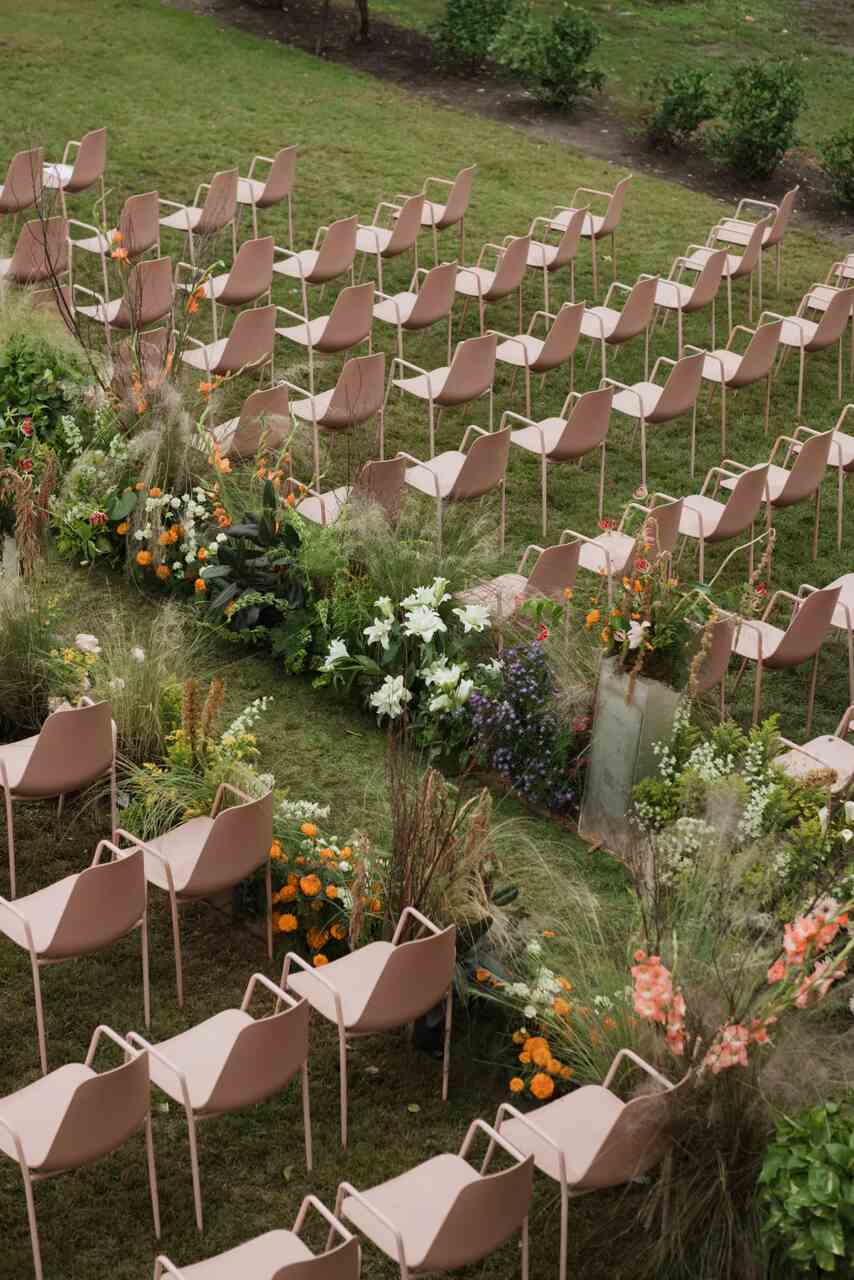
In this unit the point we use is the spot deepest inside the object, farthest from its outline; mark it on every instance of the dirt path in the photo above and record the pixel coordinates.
(405, 57)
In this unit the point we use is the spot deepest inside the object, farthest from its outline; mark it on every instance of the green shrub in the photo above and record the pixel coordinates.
(27, 671)
(677, 106)
(807, 1188)
(554, 59)
(467, 29)
(837, 161)
(759, 111)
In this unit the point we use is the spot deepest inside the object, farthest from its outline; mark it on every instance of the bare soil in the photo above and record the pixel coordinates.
(406, 57)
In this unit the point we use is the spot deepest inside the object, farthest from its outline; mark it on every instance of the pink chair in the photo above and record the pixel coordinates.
(332, 255)
(736, 266)
(596, 227)
(380, 482)
(650, 405)
(541, 355)
(249, 279)
(841, 457)
(738, 230)
(843, 617)
(385, 243)
(806, 336)
(470, 375)
(22, 186)
(89, 165)
(730, 371)
(264, 419)
(455, 476)
(41, 254)
(821, 294)
(438, 217)
(832, 751)
(348, 325)
(208, 220)
(612, 328)
(487, 285)
(412, 312)
(672, 295)
(551, 258)
(249, 345)
(146, 300)
(138, 233)
(278, 186)
(710, 521)
(356, 398)
(610, 553)
(552, 576)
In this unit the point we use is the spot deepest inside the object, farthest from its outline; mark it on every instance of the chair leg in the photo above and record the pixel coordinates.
(290, 223)
(840, 500)
(176, 938)
(446, 1055)
(37, 1000)
(503, 528)
(544, 474)
(757, 692)
(194, 1168)
(10, 841)
(564, 1228)
(152, 1176)
(432, 426)
(643, 453)
(525, 1250)
(817, 524)
(306, 1117)
(723, 420)
(439, 525)
(546, 288)
(491, 409)
(342, 1071)
(31, 1218)
(811, 698)
(595, 267)
(602, 481)
(527, 391)
(693, 439)
(800, 386)
(767, 401)
(436, 246)
(146, 978)
(114, 801)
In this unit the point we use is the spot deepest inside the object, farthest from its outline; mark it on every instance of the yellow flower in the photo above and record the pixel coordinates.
(310, 885)
(288, 923)
(309, 829)
(155, 492)
(319, 960)
(542, 1086)
(517, 1085)
(144, 558)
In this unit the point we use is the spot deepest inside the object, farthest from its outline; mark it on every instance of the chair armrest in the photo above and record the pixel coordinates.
(146, 1047)
(471, 427)
(739, 328)
(407, 364)
(790, 440)
(509, 337)
(311, 1201)
(719, 471)
(5, 904)
(373, 231)
(507, 1109)
(72, 142)
(780, 594)
(278, 992)
(467, 271)
(444, 182)
(495, 1138)
(293, 386)
(416, 915)
(567, 535)
(85, 226)
(118, 853)
(659, 361)
(547, 315)
(547, 222)
(590, 191)
(142, 844)
(221, 789)
(318, 233)
(92, 293)
(171, 204)
(617, 284)
(612, 382)
(849, 408)
(162, 1266)
(348, 1189)
(639, 1062)
(533, 546)
(755, 204)
(104, 1030)
(423, 467)
(845, 723)
(292, 957)
(297, 315)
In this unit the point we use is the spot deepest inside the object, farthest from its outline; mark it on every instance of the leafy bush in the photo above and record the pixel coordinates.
(554, 59)
(467, 29)
(27, 636)
(837, 157)
(807, 1185)
(761, 102)
(677, 106)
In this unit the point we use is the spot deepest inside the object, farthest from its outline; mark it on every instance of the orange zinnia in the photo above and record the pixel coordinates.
(309, 829)
(310, 885)
(144, 558)
(542, 1086)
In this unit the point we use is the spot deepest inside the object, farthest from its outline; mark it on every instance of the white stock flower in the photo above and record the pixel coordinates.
(432, 596)
(464, 689)
(379, 631)
(530, 1011)
(385, 606)
(474, 617)
(441, 702)
(637, 630)
(337, 650)
(390, 698)
(847, 834)
(138, 653)
(344, 867)
(424, 623)
(87, 644)
(438, 673)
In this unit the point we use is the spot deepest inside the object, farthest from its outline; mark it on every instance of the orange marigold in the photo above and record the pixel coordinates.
(331, 891)
(538, 1048)
(155, 492)
(121, 529)
(517, 1084)
(317, 938)
(310, 885)
(319, 960)
(524, 1057)
(200, 586)
(562, 1007)
(288, 923)
(275, 849)
(309, 829)
(481, 975)
(519, 1037)
(287, 893)
(163, 572)
(542, 1086)
(144, 558)
(339, 931)
(592, 618)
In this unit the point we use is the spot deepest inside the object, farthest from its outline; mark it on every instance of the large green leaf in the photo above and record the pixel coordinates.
(123, 504)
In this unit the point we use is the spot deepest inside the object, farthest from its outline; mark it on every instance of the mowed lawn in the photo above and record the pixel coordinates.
(183, 98)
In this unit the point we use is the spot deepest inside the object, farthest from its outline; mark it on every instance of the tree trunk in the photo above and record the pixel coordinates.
(364, 33)
(321, 35)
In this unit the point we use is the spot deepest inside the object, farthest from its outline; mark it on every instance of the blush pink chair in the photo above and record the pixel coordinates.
(138, 233)
(487, 285)
(90, 162)
(711, 521)
(231, 1061)
(731, 371)
(22, 186)
(551, 258)
(145, 301)
(610, 553)
(552, 576)
(843, 617)
(264, 419)
(380, 482)
(612, 328)
(276, 187)
(841, 457)
(209, 219)
(738, 230)
(672, 295)
(650, 404)
(596, 226)
(385, 243)
(412, 312)
(348, 325)
(249, 345)
(457, 476)
(41, 254)
(542, 355)
(806, 336)
(832, 751)
(332, 255)
(356, 398)
(437, 216)
(470, 375)
(736, 266)
(249, 278)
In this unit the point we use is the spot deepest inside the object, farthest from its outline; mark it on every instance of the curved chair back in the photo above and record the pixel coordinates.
(661, 529)
(220, 204)
(280, 179)
(485, 466)
(742, 505)
(708, 282)
(74, 748)
(561, 339)
(511, 269)
(267, 1053)
(554, 571)
(250, 341)
(807, 471)
(680, 390)
(359, 391)
(805, 633)
(337, 252)
(341, 1263)
(472, 370)
(748, 260)
(758, 359)
(138, 223)
(639, 1139)
(41, 251)
(636, 314)
(781, 218)
(107, 901)
(586, 427)
(90, 162)
(23, 182)
(483, 1215)
(350, 320)
(567, 247)
(148, 358)
(407, 225)
(102, 1114)
(149, 294)
(435, 297)
(416, 976)
(264, 415)
(383, 483)
(833, 321)
(458, 198)
(614, 212)
(715, 661)
(251, 273)
(237, 844)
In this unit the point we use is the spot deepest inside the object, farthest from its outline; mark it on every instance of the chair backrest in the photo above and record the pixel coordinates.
(511, 269)
(638, 1140)
(350, 320)
(661, 529)
(808, 470)
(74, 748)
(561, 339)
(458, 197)
(359, 392)
(103, 1113)
(615, 207)
(146, 354)
(149, 294)
(781, 218)
(250, 341)
(805, 633)
(713, 666)
(337, 251)
(406, 226)
(251, 273)
(637, 311)
(484, 1214)
(90, 161)
(567, 246)
(107, 901)
(472, 370)
(485, 466)
(341, 1263)
(264, 416)
(680, 390)
(220, 203)
(280, 179)
(834, 320)
(758, 359)
(435, 297)
(23, 182)
(415, 978)
(237, 844)
(265, 1056)
(41, 251)
(743, 504)
(138, 223)
(383, 483)
(554, 571)
(586, 427)
(753, 248)
(708, 282)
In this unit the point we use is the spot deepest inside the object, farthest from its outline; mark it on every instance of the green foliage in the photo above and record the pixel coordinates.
(465, 32)
(554, 58)
(837, 161)
(807, 1188)
(760, 105)
(28, 624)
(677, 105)
(40, 383)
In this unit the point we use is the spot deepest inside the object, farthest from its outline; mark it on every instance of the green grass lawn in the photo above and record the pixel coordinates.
(181, 98)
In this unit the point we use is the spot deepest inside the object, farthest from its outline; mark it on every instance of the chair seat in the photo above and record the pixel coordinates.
(306, 258)
(16, 756)
(619, 547)
(591, 226)
(104, 313)
(446, 467)
(468, 286)
(577, 1122)
(540, 254)
(43, 910)
(609, 317)
(731, 362)
(529, 437)
(709, 511)
(515, 352)
(249, 190)
(386, 311)
(37, 1111)
(746, 642)
(201, 357)
(326, 508)
(354, 977)
(181, 848)
(259, 1259)
(626, 402)
(425, 385)
(368, 237)
(56, 175)
(820, 297)
(841, 451)
(826, 752)
(778, 478)
(317, 405)
(417, 1202)
(792, 328)
(307, 335)
(501, 595)
(738, 231)
(432, 213)
(201, 1053)
(672, 293)
(179, 220)
(95, 244)
(698, 259)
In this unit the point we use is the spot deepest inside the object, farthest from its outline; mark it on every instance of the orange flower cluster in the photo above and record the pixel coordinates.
(310, 884)
(535, 1051)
